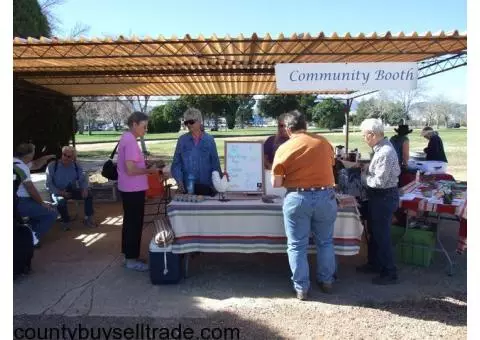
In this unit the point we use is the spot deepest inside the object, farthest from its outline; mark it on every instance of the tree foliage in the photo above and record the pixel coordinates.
(166, 118)
(389, 111)
(28, 19)
(275, 105)
(245, 110)
(306, 104)
(159, 120)
(214, 106)
(329, 114)
(44, 117)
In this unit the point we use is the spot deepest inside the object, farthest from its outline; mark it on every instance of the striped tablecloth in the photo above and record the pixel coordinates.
(424, 204)
(250, 226)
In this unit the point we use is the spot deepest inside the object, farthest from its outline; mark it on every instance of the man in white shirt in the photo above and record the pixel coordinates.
(383, 201)
(41, 214)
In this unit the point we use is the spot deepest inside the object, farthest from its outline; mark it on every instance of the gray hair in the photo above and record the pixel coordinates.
(372, 125)
(70, 149)
(136, 117)
(427, 131)
(194, 114)
(295, 120)
(24, 149)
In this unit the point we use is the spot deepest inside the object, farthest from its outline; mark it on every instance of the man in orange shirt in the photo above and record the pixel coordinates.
(304, 166)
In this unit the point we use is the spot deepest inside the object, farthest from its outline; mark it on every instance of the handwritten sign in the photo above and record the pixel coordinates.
(244, 165)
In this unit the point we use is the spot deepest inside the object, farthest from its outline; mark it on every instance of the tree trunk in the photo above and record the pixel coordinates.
(81, 127)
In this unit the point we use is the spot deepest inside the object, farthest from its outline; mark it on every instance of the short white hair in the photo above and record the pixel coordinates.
(194, 114)
(372, 125)
(71, 149)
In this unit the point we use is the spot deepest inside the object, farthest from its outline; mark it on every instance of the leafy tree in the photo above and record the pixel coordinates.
(215, 106)
(156, 121)
(365, 109)
(306, 103)
(165, 118)
(395, 113)
(329, 113)
(28, 19)
(392, 112)
(275, 105)
(245, 110)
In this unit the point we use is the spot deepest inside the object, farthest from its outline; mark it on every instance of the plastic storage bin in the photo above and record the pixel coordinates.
(161, 258)
(416, 247)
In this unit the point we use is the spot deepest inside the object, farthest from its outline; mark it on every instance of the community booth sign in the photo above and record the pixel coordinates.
(315, 77)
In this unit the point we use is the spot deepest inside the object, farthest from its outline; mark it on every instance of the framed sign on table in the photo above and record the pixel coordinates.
(245, 168)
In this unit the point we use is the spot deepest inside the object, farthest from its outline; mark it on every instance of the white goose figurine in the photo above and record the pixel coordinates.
(220, 184)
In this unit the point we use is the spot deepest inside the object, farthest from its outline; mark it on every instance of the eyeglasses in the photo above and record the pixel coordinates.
(189, 122)
(67, 155)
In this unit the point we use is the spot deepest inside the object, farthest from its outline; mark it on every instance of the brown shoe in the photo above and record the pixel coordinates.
(327, 288)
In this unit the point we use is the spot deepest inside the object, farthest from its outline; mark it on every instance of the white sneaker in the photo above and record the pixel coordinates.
(35, 238)
(136, 265)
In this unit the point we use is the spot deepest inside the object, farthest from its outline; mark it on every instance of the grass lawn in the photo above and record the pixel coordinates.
(454, 141)
(112, 136)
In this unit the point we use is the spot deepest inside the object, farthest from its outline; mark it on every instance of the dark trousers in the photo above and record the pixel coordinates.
(382, 203)
(77, 196)
(133, 209)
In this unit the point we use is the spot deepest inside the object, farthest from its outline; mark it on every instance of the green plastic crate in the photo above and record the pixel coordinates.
(416, 247)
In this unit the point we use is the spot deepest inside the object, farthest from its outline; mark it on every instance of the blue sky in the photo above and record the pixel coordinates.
(152, 18)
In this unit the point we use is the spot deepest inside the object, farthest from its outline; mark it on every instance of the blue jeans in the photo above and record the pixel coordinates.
(40, 218)
(382, 203)
(305, 212)
(62, 207)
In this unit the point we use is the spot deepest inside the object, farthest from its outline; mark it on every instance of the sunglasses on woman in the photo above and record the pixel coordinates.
(189, 122)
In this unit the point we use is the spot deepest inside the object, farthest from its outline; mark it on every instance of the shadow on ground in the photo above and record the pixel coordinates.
(78, 277)
(217, 326)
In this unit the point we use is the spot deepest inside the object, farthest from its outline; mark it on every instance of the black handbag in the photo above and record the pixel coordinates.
(109, 170)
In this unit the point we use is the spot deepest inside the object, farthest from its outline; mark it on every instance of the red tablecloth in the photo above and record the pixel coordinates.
(422, 204)
(409, 177)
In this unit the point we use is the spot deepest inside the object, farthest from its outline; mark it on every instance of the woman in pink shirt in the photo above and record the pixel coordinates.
(132, 184)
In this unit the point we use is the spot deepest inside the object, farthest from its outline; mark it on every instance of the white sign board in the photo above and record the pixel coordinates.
(345, 76)
(244, 165)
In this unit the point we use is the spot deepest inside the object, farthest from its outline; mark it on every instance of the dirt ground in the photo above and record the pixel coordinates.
(78, 278)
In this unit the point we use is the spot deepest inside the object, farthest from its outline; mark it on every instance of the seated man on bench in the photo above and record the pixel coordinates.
(66, 180)
(41, 215)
